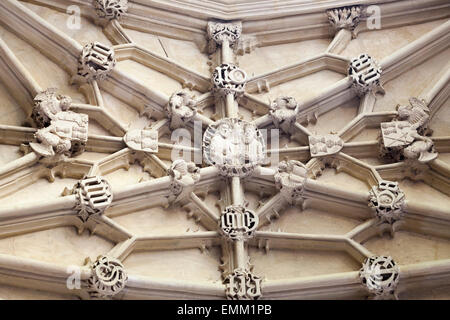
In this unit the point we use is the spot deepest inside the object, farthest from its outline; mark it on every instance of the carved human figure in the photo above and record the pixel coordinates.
(221, 147)
(47, 104)
(184, 176)
(422, 149)
(344, 18)
(380, 276)
(291, 179)
(416, 114)
(284, 112)
(253, 149)
(108, 278)
(181, 109)
(66, 135)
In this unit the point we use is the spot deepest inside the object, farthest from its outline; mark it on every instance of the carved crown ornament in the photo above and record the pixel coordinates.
(110, 9)
(218, 32)
(345, 17)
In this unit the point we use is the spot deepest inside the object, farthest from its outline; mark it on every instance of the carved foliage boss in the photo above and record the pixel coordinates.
(380, 276)
(110, 9)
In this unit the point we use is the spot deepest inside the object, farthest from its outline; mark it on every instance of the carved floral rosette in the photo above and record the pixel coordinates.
(234, 146)
(242, 285)
(283, 111)
(110, 9)
(344, 18)
(291, 179)
(365, 74)
(388, 201)
(380, 276)
(96, 62)
(47, 104)
(238, 223)
(181, 109)
(229, 79)
(184, 175)
(108, 278)
(218, 32)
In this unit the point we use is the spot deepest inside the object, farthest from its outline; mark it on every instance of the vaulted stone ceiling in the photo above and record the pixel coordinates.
(314, 143)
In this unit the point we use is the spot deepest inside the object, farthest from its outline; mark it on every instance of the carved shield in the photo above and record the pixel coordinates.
(142, 140)
(71, 125)
(323, 145)
(397, 134)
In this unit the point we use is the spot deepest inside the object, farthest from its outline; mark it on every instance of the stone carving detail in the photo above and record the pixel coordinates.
(325, 145)
(404, 137)
(184, 176)
(142, 140)
(388, 201)
(365, 74)
(47, 104)
(94, 196)
(242, 285)
(344, 18)
(110, 9)
(380, 276)
(229, 79)
(291, 179)
(284, 112)
(236, 147)
(108, 278)
(238, 223)
(181, 109)
(96, 62)
(218, 32)
(66, 135)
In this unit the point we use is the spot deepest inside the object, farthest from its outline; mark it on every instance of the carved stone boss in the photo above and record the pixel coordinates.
(242, 285)
(291, 179)
(325, 145)
(110, 9)
(184, 176)
(284, 112)
(234, 146)
(142, 140)
(181, 109)
(220, 32)
(388, 201)
(380, 276)
(344, 18)
(229, 79)
(365, 74)
(96, 62)
(108, 278)
(94, 196)
(238, 223)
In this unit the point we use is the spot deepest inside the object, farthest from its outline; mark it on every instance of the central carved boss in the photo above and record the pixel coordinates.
(236, 147)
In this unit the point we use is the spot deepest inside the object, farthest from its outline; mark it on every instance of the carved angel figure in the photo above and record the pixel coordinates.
(181, 109)
(184, 176)
(291, 178)
(47, 104)
(284, 112)
(416, 113)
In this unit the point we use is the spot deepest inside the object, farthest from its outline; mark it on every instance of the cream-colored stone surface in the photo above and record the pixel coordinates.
(300, 263)
(158, 221)
(11, 113)
(87, 32)
(61, 246)
(400, 89)
(266, 59)
(203, 267)
(421, 192)
(304, 88)
(122, 176)
(381, 43)
(16, 293)
(343, 180)
(311, 221)
(408, 247)
(9, 153)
